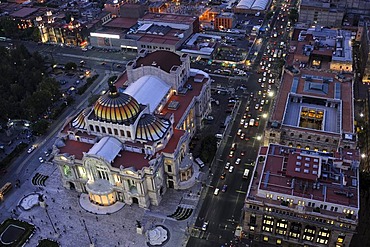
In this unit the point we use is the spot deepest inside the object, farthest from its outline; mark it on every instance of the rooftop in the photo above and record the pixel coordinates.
(319, 93)
(312, 176)
(172, 18)
(121, 22)
(164, 59)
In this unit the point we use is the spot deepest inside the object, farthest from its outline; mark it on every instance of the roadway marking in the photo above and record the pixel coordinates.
(241, 192)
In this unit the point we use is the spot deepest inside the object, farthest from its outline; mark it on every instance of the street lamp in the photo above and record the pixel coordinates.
(361, 114)
(271, 94)
(264, 115)
(259, 138)
(363, 155)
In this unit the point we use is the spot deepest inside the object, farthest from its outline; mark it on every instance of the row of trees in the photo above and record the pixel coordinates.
(26, 91)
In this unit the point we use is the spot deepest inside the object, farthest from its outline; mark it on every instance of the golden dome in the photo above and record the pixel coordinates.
(151, 128)
(116, 107)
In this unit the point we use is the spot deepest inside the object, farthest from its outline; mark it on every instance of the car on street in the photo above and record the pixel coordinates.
(233, 146)
(241, 137)
(242, 153)
(227, 165)
(237, 162)
(205, 226)
(41, 159)
(224, 188)
(30, 150)
(239, 132)
(231, 169)
(231, 154)
(217, 190)
(223, 175)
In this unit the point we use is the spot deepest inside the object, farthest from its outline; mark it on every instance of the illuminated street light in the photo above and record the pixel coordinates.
(259, 138)
(271, 94)
(363, 156)
(361, 114)
(264, 115)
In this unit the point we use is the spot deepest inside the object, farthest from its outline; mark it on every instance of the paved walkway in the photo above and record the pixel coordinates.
(107, 226)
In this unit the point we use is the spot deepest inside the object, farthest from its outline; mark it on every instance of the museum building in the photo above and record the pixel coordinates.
(133, 143)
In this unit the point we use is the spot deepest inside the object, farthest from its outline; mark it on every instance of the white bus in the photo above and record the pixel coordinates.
(246, 173)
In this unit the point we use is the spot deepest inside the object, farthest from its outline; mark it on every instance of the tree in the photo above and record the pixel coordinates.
(293, 16)
(209, 148)
(269, 14)
(40, 127)
(70, 66)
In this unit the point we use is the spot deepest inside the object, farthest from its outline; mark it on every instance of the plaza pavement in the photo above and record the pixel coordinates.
(114, 229)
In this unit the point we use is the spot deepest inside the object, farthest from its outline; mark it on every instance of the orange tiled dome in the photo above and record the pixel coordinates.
(116, 107)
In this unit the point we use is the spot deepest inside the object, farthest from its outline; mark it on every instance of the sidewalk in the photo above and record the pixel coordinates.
(116, 228)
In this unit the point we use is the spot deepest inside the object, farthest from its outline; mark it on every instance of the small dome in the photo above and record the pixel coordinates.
(151, 128)
(79, 121)
(116, 107)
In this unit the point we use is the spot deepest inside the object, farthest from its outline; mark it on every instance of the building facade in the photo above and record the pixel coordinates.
(303, 198)
(133, 143)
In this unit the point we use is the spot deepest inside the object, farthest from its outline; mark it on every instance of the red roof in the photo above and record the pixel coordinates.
(130, 159)
(184, 100)
(121, 22)
(279, 175)
(165, 59)
(174, 141)
(75, 148)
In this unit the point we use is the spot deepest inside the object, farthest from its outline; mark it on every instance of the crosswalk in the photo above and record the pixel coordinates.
(39, 179)
(182, 212)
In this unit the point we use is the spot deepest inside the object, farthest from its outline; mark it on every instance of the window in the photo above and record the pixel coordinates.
(323, 236)
(252, 220)
(91, 127)
(265, 238)
(109, 130)
(340, 239)
(267, 223)
(300, 136)
(102, 172)
(103, 130)
(291, 134)
(122, 132)
(295, 230)
(309, 233)
(169, 168)
(115, 132)
(281, 227)
(278, 241)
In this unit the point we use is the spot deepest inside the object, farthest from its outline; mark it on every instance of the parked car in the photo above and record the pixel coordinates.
(224, 188)
(231, 169)
(227, 165)
(205, 226)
